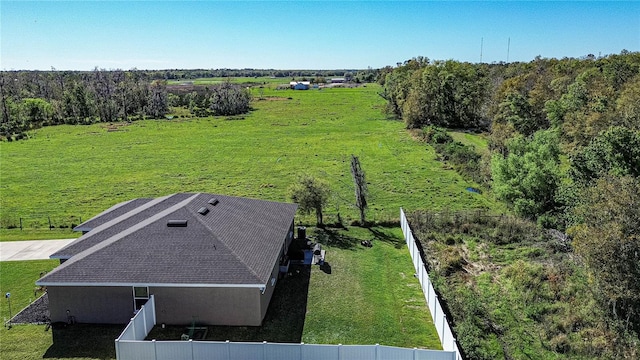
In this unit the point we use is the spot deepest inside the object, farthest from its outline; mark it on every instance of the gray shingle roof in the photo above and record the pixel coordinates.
(237, 242)
(110, 214)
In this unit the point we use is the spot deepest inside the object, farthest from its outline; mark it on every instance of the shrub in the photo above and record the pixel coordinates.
(435, 135)
(229, 99)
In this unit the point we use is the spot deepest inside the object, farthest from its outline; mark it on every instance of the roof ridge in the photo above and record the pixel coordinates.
(109, 241)
(200, 219)
(110, 223)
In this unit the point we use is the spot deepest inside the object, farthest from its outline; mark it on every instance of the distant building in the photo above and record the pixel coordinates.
(339, 80)
(300, 85)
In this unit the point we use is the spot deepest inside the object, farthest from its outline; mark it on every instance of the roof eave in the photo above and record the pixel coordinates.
(126, 284)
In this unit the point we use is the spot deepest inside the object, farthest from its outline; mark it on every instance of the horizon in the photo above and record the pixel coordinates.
(305, 35)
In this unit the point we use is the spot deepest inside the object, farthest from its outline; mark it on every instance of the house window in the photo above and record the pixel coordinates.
(140, 296)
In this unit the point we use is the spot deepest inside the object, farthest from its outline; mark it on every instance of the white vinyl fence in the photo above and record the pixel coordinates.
(210, 350)
(439, 318)
(140, 325)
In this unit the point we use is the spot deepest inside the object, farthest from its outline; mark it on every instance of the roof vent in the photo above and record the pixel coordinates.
(214, 201)
(177, 223)
(203, 210)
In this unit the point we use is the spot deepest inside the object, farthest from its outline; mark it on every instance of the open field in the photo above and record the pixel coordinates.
(265, 80)
(71, 172)
(362, 296)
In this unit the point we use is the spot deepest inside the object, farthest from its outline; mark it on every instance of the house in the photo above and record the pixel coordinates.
(212, 259)
(338, 80)
(300, 85)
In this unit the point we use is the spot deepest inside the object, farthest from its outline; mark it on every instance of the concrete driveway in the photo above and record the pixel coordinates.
(30, 249)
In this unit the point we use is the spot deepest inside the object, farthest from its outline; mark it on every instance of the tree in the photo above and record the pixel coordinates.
(229, 99)
(528, 176)
(628, 105)
(608, 239)
(449, 94)
(310, 194)
(587, 107)
(157, 103)
(104, 88)
(360, 186)
(615, 151)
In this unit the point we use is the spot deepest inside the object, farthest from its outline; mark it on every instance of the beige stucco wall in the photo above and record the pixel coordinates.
(100, 305)
(207, 306)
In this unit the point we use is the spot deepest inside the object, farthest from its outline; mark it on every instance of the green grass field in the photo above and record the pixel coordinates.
(73, 172)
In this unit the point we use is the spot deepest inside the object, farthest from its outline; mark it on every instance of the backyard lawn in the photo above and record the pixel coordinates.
(361, 296)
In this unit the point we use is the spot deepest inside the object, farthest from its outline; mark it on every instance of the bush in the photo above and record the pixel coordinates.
(229, 99)
(435, 135)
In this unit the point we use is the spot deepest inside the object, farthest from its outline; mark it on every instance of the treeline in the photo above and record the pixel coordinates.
(564, 151)
(32, 99)
(540, 116)
(364, 75)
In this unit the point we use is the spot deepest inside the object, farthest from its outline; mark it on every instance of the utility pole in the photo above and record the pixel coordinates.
(508, 48)
(481, 44)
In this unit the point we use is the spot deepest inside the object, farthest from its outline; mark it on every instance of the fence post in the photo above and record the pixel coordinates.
(339, 351)
(454, 347)
(264, 350)
(444, 324)
(191, 343)
(144, 320)
(301, 345)
(228, 350)
(155, 349)
(414, 353)
(153, 301)
(117, 349)
(133, 327)
(20, 223)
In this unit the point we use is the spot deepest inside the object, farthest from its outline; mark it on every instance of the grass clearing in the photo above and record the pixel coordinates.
(71, 172)
(37, 234)
(478, 141)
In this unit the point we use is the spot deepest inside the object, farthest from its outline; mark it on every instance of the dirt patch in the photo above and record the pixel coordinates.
(116, 127)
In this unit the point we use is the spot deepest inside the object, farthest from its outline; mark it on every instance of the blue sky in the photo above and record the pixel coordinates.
(81, 35)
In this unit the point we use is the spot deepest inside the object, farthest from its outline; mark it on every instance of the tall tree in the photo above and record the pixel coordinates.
(310, 194)
(529, 175)
(158, 102)
(608, 239)
(615, 151)
(360, 186)
(628, 105)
